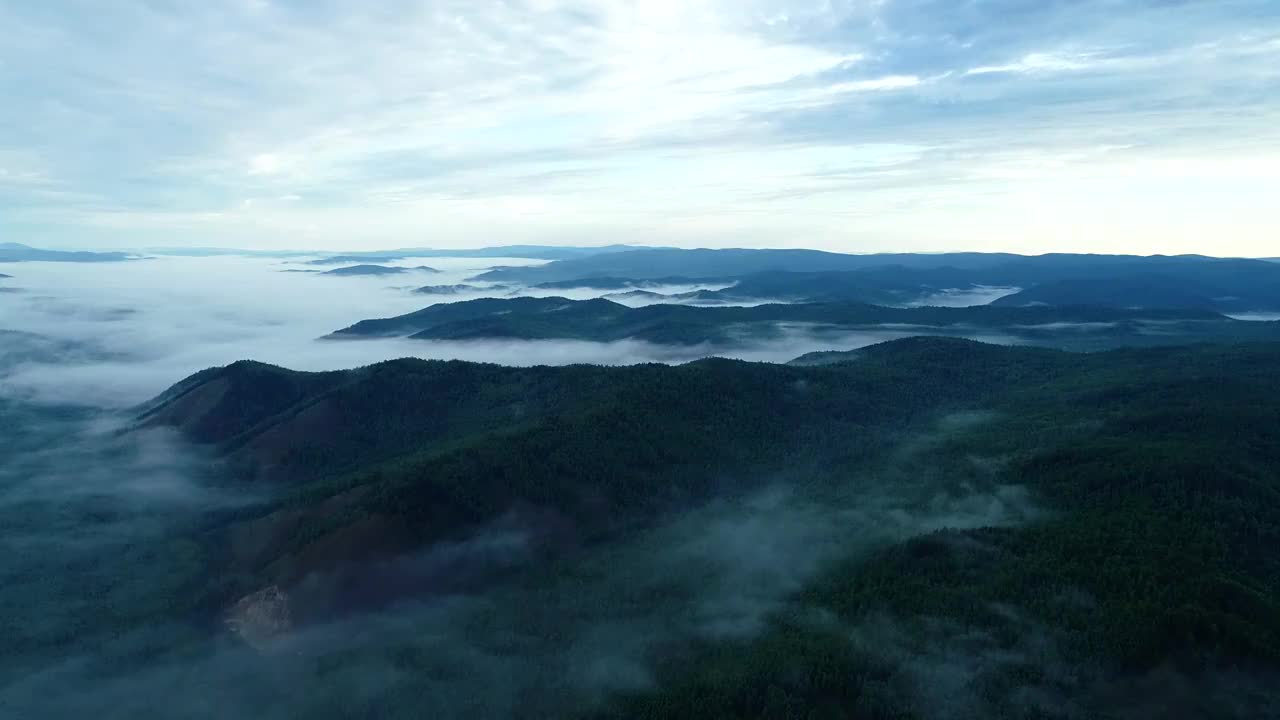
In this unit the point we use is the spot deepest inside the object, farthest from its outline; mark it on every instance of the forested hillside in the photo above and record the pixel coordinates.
(1029, 533)
(1084, 327)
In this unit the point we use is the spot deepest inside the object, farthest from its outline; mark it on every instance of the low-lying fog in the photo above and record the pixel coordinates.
(1255, 316)
(116, 334)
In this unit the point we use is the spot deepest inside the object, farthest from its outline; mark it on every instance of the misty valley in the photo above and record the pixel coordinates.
(533, 482)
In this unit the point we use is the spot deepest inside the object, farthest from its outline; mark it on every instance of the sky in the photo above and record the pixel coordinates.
(1144, 126)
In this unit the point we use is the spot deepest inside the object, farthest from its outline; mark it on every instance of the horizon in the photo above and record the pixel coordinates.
(408, 251)
(1141, 127)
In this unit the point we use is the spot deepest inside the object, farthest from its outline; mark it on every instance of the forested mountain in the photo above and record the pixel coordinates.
(456, 289)
(1081, 327)
(620, 283)
(1058, 535)
(1226, 285)
(354, 270)
(651, 263)
(1233, 288)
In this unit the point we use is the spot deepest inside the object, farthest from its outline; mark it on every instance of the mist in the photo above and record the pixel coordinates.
(103, 520)
(105, 514)
(115, 336)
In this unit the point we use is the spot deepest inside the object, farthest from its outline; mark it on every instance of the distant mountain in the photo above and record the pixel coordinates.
(5, 277)
(533, 252)
(826, 357)
(451, 289)
(639, 295)
(656, 263)
(1124, 291)
(378, 270)
(357, 258)
(619, 283)
(601, 320)
(220, 252)
(15, 252)
(1225, 285)
(649, 264)
(888, 285)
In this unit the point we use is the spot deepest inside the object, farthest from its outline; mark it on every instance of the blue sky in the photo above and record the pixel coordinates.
(858, 125)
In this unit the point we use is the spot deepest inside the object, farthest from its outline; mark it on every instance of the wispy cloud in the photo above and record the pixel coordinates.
(464, 122)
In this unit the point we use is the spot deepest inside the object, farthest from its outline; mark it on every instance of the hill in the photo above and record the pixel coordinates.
(451, 289)
(601, 320)
(1058, 531)
(1225, 285)
(355, 270)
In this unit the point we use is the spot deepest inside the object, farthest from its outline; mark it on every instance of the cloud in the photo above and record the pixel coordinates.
(1040, 62)
(577, 120)
(265, 164)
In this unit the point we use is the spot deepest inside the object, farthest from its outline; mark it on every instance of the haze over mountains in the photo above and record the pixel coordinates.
(230, 488)
(11, 252)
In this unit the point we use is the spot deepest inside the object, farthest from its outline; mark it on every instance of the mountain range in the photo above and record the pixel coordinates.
(1226, 285)
(554, 318)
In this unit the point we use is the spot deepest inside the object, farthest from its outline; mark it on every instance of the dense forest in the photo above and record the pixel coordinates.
(937, 528)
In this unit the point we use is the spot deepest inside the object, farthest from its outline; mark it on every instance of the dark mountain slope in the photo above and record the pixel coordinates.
(409, 453)
(1151, 590)
(575, 518)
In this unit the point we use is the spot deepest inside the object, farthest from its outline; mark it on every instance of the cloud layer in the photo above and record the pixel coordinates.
(853, 124)
(115, 336)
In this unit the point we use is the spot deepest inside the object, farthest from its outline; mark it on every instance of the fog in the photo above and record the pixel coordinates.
(1255, 316)
(101, 519)
(129, 330)
(94, 537)
(965, 297)
(103, 522)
